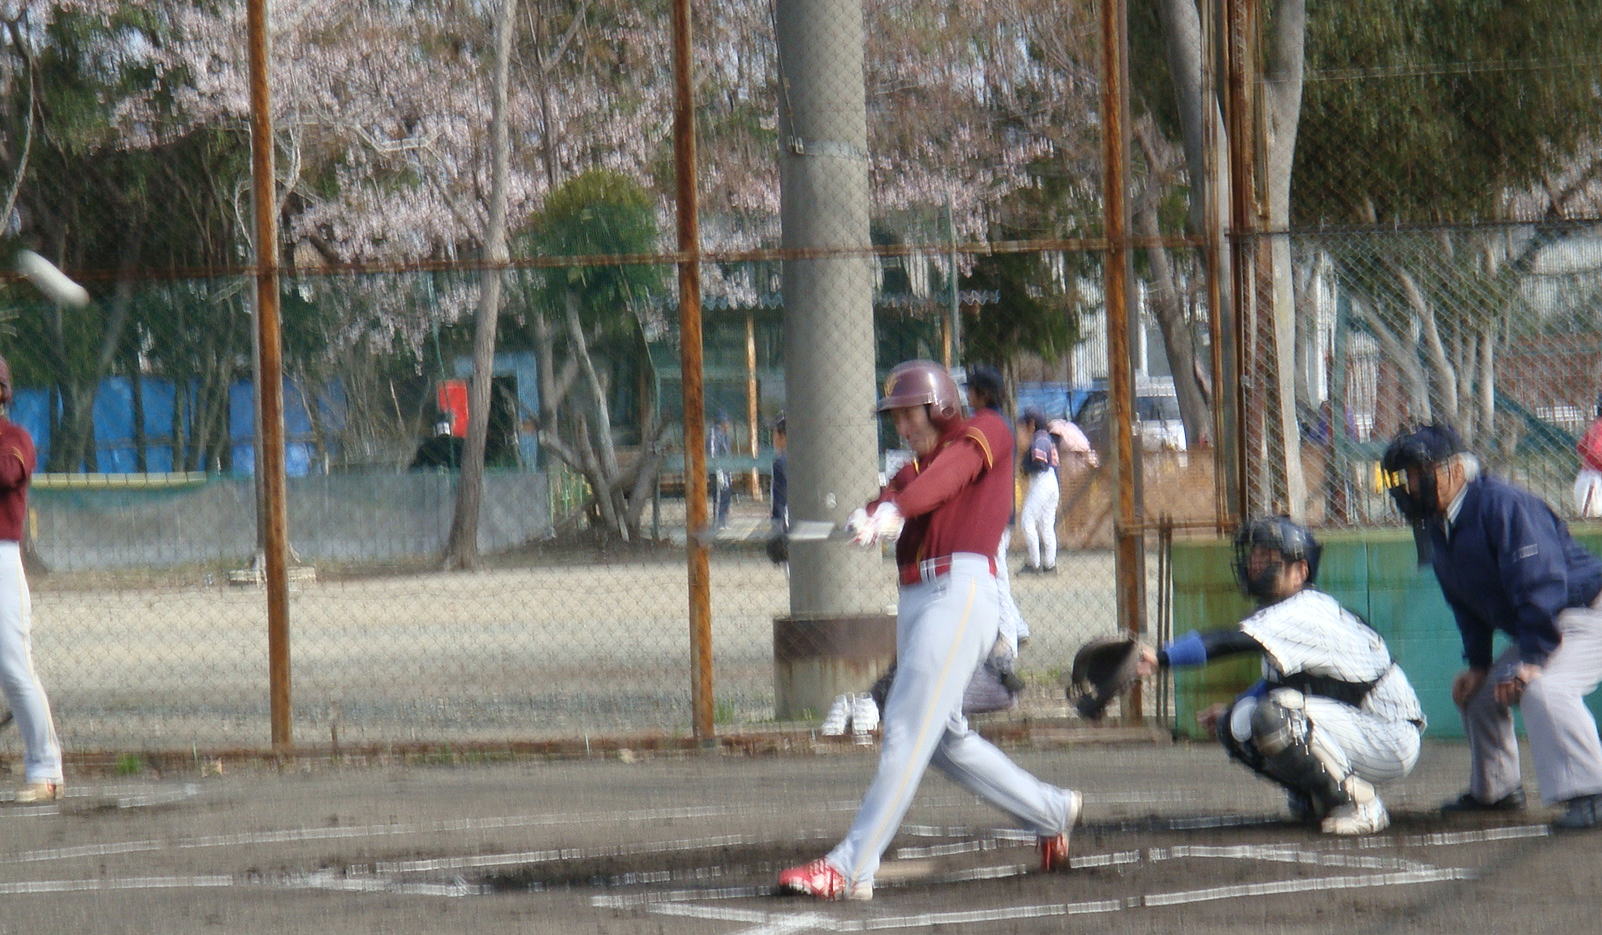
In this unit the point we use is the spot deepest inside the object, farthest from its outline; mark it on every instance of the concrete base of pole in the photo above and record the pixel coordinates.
(816, 659)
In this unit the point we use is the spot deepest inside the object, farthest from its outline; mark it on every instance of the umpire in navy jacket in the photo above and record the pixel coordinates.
(1506, 562)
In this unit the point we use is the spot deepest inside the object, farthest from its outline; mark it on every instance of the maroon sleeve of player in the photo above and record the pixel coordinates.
(16, 461)
(955, 469)
(905, 476)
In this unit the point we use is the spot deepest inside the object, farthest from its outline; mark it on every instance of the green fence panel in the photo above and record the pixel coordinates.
(1373, 572)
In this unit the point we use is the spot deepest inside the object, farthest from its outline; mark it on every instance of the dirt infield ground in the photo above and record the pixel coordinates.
(1174, 839)
(562, 649)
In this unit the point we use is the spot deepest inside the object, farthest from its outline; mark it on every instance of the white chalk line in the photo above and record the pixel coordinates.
(778, 923)
(296, 835)
(113, 883)
(1400, 872)
(357, 880)
(1287, 854)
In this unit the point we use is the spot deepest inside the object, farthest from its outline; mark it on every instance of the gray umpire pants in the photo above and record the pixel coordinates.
(1562, 732)
(945, 626)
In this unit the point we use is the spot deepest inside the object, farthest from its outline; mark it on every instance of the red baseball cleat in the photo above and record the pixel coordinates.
(1054, 850)
(820, 879)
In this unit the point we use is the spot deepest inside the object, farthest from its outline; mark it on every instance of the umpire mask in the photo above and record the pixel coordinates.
(1423, 450)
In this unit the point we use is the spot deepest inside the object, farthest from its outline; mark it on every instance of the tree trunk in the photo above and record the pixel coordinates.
(1169, 310)
(461, 548)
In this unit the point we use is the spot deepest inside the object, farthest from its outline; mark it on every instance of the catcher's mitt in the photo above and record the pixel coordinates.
(1102, 668)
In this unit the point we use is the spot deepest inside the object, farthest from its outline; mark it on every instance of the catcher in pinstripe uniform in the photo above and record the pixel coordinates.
(1333, 715)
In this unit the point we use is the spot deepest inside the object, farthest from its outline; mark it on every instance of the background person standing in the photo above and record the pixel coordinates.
(1588, 483)
(42, 777)
(1038, 516)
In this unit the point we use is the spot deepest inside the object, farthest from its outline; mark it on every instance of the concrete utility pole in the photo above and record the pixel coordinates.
(830, 379)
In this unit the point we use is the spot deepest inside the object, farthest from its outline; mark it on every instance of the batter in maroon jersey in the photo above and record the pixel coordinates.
(948, 507)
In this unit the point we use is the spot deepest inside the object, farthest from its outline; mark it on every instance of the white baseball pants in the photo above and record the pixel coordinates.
(1377, 750)
(944, 628)
(1562, 732)
(41, 750)
(1038, 519)
(1013, 626)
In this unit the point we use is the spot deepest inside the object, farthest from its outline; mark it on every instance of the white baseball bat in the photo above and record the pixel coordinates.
(816, 530)
(51, 281)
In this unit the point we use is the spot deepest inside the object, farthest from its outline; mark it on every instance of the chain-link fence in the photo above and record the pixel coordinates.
(877, 182)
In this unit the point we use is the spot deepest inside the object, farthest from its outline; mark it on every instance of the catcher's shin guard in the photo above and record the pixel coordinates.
(1294, 755)
(1238, 750)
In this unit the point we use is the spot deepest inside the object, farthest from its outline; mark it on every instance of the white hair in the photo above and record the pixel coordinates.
(1470, 462)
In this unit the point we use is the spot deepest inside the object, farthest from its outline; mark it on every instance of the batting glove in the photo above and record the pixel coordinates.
(883, 524)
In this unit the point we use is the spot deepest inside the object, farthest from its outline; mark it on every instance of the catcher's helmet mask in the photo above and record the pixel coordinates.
(923, 383)
(1424, 449)
(1291, 541)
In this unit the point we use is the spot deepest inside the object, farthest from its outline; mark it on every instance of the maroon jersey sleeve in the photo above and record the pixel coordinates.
(953, 469)
(16, 457)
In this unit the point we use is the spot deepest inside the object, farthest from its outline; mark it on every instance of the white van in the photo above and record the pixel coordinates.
(1157, 421)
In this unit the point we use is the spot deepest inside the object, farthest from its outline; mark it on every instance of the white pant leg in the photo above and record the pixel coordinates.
(41, 748)
(1376, 749)
(1012, 624)
(1038, 519)
(976, 764)
(1562, 732)
(1493, 747)
(943, 629)
(1588, 493)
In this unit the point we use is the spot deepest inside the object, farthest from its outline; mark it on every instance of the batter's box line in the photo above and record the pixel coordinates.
(781, 923)
(1288, 853)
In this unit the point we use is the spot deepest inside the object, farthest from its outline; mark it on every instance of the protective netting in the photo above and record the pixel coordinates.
(878, 181)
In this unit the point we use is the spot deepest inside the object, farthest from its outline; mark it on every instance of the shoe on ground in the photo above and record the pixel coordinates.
(1029, 570)
(1582, 813)
(821, 880)
(1054, 850)
(834, 723)
(1302, 809)
(1357, 818)
(1512, 802)
(35, 792)
(864, 716)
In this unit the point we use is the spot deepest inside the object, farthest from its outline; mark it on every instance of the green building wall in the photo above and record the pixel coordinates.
(1373, 572)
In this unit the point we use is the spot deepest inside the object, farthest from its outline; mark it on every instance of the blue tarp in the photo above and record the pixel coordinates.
(115, 440)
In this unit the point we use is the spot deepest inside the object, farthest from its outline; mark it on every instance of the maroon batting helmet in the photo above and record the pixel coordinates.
(923, 383)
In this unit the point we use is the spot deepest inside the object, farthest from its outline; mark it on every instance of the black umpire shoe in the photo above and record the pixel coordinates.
(1583, 812)
(1512, 802)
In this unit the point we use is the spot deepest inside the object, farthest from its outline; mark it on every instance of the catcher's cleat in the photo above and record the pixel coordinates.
(820, 879)
(1054, 850)
(834, 723)
(35, 792)
(1357, 818)
(1467, 802)
(1302, 809)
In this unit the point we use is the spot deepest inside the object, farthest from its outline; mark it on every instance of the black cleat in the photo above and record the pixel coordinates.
(1512, 802)
(1584, 812)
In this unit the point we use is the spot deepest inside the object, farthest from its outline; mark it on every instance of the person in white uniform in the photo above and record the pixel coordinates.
(41, 749)
(1334, 715)
(1038, 515)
